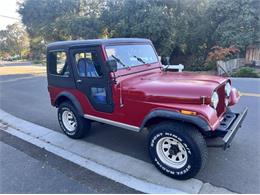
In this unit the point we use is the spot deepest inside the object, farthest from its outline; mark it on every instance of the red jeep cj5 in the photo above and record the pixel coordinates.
(121, 82)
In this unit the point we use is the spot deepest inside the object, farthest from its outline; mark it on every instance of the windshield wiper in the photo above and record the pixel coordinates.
(140, 59)
(120, 62)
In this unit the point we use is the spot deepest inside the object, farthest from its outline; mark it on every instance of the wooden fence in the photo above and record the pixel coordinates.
(230, 65)
(253, 55)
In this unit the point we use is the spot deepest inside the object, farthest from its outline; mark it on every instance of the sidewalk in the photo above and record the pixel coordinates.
(38, 171)
(22, 174)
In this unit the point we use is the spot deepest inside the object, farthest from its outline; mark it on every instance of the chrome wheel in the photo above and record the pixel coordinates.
(171, 152)
(69, 120)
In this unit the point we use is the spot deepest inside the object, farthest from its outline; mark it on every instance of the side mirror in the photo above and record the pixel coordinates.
(112, 64)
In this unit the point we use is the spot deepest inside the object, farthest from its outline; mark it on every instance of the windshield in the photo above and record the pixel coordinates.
(131, 55)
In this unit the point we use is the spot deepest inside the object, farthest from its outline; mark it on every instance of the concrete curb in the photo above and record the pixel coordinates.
(121, 168)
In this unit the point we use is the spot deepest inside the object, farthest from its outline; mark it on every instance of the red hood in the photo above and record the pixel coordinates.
(167, 87)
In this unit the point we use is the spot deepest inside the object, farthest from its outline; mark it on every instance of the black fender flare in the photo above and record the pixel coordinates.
(73, 100)
(171, 115)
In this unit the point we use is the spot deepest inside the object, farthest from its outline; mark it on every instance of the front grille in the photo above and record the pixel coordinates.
(221, 104)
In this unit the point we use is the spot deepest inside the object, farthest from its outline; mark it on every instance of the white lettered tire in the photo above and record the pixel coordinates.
(177, 149)
(72, 124)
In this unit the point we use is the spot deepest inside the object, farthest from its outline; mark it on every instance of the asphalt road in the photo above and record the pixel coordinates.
(237, 169)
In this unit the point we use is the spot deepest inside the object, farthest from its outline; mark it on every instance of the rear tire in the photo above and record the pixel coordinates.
(72, 124)
(177, 150)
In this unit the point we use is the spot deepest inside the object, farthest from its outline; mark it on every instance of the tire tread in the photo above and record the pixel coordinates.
(194, 135)
(83, 124)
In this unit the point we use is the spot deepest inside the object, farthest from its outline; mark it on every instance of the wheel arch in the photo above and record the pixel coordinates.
(164, 115)
(66, 96)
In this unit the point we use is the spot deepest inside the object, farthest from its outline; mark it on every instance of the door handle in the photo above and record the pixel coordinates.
(79, 81)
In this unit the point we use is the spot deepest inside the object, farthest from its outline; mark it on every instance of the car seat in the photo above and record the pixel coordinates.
(87, 68)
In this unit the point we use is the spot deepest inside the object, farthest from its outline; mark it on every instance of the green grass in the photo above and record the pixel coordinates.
(246, 72)
(38, 62)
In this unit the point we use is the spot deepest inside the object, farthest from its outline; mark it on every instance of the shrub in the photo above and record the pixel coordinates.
(220, 53)
(210, 66)
(39, 62)
(246, 72)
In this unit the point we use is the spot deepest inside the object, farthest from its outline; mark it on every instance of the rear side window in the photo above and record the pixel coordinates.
(58, 64)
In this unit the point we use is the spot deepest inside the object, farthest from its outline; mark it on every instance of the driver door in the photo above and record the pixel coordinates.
(92, 78)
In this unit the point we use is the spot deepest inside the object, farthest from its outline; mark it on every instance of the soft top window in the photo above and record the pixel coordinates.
(58, 64)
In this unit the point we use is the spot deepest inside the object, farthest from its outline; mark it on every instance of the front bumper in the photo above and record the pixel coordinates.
(229, 127)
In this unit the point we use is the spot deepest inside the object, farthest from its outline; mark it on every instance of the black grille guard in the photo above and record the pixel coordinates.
(229, 127)
(234, 128)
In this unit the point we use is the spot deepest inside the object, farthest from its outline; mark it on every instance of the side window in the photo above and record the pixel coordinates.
(58, 64)
(88, 64)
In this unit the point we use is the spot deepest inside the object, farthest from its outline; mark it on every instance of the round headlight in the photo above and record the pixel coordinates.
(228, 89)
(214, 100)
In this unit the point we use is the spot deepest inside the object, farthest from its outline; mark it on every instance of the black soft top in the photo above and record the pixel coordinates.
(68, 44)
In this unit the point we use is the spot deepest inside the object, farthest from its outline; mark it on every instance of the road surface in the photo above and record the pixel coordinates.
(237, 169)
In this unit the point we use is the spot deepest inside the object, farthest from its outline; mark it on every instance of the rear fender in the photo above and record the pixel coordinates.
(67, 96)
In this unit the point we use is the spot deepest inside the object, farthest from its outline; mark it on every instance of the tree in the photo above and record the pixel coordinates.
(219, 53)
(56, 20)
(233, 22)
(191, 32)
(14, 40)
(185, 30)
(217, 23)
(140, 18)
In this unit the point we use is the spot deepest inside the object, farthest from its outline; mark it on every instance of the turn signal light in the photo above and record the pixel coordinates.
(187, 112)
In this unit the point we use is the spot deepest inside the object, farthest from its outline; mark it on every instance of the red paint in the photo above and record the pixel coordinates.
(146, 88)
(154, 89)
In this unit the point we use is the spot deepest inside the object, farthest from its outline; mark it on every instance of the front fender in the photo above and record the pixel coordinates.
(195, 120)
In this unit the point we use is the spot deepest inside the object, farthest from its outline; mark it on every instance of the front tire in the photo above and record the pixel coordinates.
(176, 149)
(72, 124)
